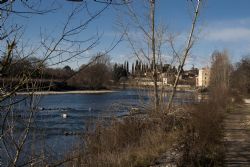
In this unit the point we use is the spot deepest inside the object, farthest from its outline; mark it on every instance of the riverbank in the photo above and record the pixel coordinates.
(114, 89)
(150, 87)
(190, 135)
(67, 92)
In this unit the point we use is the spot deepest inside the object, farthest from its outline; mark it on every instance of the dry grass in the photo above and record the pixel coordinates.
(203, 131)
(132, 141)
(139, 141)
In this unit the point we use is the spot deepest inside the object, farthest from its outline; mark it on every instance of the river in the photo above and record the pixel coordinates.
(59, 119)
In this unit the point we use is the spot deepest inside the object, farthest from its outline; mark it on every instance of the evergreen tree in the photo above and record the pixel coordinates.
(133, 69)
(127, 67)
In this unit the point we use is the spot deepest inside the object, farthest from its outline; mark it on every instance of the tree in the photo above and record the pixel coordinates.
(145, 25)
(189, 45)
(96, 75)
(119, 72)
(153, 49)
(150, 46)
(52, 50)
(219, 77)
(240, 77)
(220, 70)
(67, 68)
(133, 69)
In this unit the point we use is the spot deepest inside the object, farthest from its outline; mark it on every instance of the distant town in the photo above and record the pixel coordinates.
(141, 74)
(101, 74)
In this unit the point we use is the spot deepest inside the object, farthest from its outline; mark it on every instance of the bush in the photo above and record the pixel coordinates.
(201, 137)
(202, 134)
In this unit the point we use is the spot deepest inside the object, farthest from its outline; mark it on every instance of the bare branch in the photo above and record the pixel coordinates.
(186, 51)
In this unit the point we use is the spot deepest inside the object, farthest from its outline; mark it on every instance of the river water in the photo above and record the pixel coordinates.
(59, 119)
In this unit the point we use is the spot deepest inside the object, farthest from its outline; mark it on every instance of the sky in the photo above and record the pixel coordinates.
(222, 25)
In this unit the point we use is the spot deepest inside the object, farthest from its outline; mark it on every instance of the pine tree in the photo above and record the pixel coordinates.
(133, 69)
(127, 67)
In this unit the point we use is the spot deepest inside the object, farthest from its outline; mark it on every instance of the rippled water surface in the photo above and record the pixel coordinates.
(59, 119)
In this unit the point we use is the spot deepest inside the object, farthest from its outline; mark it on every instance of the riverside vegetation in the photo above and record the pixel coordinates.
(195, 131)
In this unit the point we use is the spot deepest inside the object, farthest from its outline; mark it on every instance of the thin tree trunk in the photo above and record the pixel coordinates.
(155, 76)
(185, 54)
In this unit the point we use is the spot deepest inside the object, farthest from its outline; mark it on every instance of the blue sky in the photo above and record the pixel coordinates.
(223, 24)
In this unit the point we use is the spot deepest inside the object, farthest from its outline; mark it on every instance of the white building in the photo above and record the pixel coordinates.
(165, 81)
(203, 77)
(164, 78)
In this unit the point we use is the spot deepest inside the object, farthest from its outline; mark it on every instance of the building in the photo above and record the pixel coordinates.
(165, 81)
(203, 77)
(167, 78)
(192, 73)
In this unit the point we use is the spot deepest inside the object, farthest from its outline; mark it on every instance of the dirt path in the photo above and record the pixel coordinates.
(237, 137)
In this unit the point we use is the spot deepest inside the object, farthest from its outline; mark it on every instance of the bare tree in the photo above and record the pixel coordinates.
(146, 39)
(189, 45)
(155, 75)
(220, 70)
(52, 50)
(94, 76)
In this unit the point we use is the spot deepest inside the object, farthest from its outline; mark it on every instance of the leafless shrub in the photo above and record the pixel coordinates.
(203, 131)
(132, 141)
(202, 134)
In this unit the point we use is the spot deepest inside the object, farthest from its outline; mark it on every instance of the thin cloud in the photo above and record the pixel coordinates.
(230, 31)
(229, 34)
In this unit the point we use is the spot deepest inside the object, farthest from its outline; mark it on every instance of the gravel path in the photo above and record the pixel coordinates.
(237, 137)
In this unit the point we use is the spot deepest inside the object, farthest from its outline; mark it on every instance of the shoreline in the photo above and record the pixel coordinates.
(67, 92)
(94, 91)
